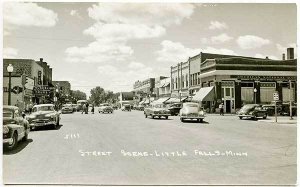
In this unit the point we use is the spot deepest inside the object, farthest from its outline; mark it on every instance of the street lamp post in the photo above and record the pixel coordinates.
(10, 69)
(255, 90)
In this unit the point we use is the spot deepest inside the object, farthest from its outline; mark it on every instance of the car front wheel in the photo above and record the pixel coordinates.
(14, 142)
(181, 119)
(167, 117)
(241, 117)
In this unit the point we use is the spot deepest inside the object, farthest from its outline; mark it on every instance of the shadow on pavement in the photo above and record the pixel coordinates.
(21, 145)
(193, 121)
(46, 128)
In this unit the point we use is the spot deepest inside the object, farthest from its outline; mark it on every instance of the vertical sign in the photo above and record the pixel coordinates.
(39, 77)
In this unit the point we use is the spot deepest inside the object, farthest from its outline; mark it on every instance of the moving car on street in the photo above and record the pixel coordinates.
(191, 111)
(105, 108)
(157, 110)
(80, 103)
(252, 111)
(67, 108)
(15, 127)
(44, 115)
(175, 108)
(126, 107)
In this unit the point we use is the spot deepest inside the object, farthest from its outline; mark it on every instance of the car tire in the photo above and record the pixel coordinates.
(167, 117)
(146, 116)
(265, 117)
(181, 119)
(152, 116)
(241, 117)
(15, 142)
(57, 123)
(200, 120)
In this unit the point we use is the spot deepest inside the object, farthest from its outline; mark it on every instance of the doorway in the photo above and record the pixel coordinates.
(228, 106)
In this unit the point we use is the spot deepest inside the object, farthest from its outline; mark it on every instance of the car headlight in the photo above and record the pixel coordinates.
(5, 130)
(201, 113)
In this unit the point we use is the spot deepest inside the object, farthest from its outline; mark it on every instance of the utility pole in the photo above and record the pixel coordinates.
(290, 91)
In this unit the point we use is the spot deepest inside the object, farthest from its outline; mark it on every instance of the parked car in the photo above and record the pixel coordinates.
(44, 115)
(126, 107)
(105, 108)
(115, 107)
(191, 111)
(15, 127)
(252, 111)
(157, 110)
(67, 108)
(74, 106)
(270, 109)
(175, 108)
(286, 110)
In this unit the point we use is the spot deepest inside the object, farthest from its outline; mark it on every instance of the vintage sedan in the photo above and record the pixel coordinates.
(15, 127)
(175, 108)
(157, 110)
(105, 108)
(126, 107)
(191, 111)
(252, 111)
(67, 108)
(44, 115)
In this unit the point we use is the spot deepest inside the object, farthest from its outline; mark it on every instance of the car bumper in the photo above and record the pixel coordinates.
(39, 124)
(7, 141)
(245, 115)
(161, 114)
(67, 111)
(192, 117)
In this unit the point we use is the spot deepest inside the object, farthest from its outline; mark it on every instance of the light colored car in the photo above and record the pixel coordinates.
(126, 107)
(105, 108)
(157, 110)
(67, 108)
(15, 127)
(43, 115)
(191, 111)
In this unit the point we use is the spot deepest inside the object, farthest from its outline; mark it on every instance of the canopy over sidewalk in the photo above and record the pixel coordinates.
(204, 94)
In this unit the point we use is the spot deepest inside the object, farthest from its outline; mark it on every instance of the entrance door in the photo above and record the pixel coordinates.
(228, 106)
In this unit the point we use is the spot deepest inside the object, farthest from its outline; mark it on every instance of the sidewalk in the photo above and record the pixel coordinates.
(280, 120)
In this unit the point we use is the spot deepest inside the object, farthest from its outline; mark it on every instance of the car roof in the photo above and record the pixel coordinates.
(10, 107)
(43, 105)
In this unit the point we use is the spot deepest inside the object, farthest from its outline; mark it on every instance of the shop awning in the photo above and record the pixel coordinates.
(161, 100)
(165, 85)
(204, 94)
(176, 100)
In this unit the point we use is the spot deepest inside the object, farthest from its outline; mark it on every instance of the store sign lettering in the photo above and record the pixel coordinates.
(256, 77)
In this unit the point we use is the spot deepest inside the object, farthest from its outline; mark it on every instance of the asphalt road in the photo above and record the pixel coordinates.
(126, 148)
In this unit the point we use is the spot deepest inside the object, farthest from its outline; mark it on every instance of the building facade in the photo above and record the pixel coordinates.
(235, 80)
(143, 89)
(27, 74)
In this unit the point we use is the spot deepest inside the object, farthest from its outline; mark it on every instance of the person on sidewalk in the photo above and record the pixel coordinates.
(221, 107)
(83, 109)
(93, 109)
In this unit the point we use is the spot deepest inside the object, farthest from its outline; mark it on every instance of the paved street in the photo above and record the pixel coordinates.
(130, 149)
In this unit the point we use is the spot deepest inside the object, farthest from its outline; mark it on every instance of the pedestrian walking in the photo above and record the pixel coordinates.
(83, 108)
(221, 107)
(93, 109)
(87, 108)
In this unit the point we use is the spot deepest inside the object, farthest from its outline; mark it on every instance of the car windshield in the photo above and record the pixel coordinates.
(7, 113)
(43, 108)
(247, 107)
(191, 105)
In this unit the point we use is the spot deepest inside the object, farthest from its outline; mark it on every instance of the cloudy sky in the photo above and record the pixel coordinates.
(112, 45)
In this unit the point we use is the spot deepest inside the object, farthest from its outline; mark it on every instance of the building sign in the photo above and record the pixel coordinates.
(39, 77)
(42, 90)
(29, 83)
(258, 77)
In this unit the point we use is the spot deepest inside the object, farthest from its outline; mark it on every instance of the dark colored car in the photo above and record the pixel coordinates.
(270, 109)
(252, 111)
(126, 107)
(286, 110)
(158, 110)
(175, 108)
(15, 127)
(44, 115)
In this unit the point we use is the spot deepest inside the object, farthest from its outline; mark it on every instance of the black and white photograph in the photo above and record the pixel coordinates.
(149, 93)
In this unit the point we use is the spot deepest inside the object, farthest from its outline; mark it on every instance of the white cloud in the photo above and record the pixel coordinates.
(117, 23)
(251, 42)
(73, 12)
(221, 38)
(136, 65)
(124, 32)
(142, 13)
(10, 52)
(28, 14)
(173, 52)
(112, 78)
(258, 55)
(217, 25)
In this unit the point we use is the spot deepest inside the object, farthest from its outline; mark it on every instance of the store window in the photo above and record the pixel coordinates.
(227, 91)
(266, 91)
